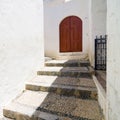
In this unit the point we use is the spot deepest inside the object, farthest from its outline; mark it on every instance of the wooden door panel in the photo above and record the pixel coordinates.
(76, 34)
(71, 35)
(65, 36)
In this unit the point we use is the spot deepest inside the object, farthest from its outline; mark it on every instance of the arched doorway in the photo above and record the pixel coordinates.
(71, 34)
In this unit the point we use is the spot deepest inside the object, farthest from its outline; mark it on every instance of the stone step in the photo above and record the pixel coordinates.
(4, 118)
(101, 77)
(66, 71)
(32, 105)
(79, 87)
(72, 56)
(68, 63)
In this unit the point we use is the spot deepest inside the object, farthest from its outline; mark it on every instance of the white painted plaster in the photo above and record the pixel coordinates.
(97, 26)
(113, 58)
(54, 13)
(21, 44)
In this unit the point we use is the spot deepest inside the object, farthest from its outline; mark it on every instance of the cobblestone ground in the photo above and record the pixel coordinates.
(59, 107)
(71, 107)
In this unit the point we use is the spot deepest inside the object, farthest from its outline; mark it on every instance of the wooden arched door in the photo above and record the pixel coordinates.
(71, 34)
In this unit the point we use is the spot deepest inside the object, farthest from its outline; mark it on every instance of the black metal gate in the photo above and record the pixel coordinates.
(100, 52)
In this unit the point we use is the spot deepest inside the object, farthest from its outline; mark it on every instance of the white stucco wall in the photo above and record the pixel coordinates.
(97, 26)
(113, 58)
(21, 44)
(55, 11)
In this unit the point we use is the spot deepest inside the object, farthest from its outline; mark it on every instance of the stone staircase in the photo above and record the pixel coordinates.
(63, 90)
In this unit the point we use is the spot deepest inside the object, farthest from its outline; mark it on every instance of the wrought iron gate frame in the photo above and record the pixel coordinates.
(100, 52)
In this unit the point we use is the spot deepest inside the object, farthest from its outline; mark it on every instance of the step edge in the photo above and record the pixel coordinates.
(62, 86)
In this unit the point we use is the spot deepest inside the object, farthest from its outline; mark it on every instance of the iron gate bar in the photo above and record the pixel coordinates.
(100, 52)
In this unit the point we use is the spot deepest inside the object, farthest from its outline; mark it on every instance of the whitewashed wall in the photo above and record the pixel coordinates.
(21, 44)
(113, 58)
(97, 26)
(55, 11)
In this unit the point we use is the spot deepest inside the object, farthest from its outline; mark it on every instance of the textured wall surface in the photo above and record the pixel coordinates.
(97, 26)
(113, 58)
(21, 44)
(55, 11)
(92, 13)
